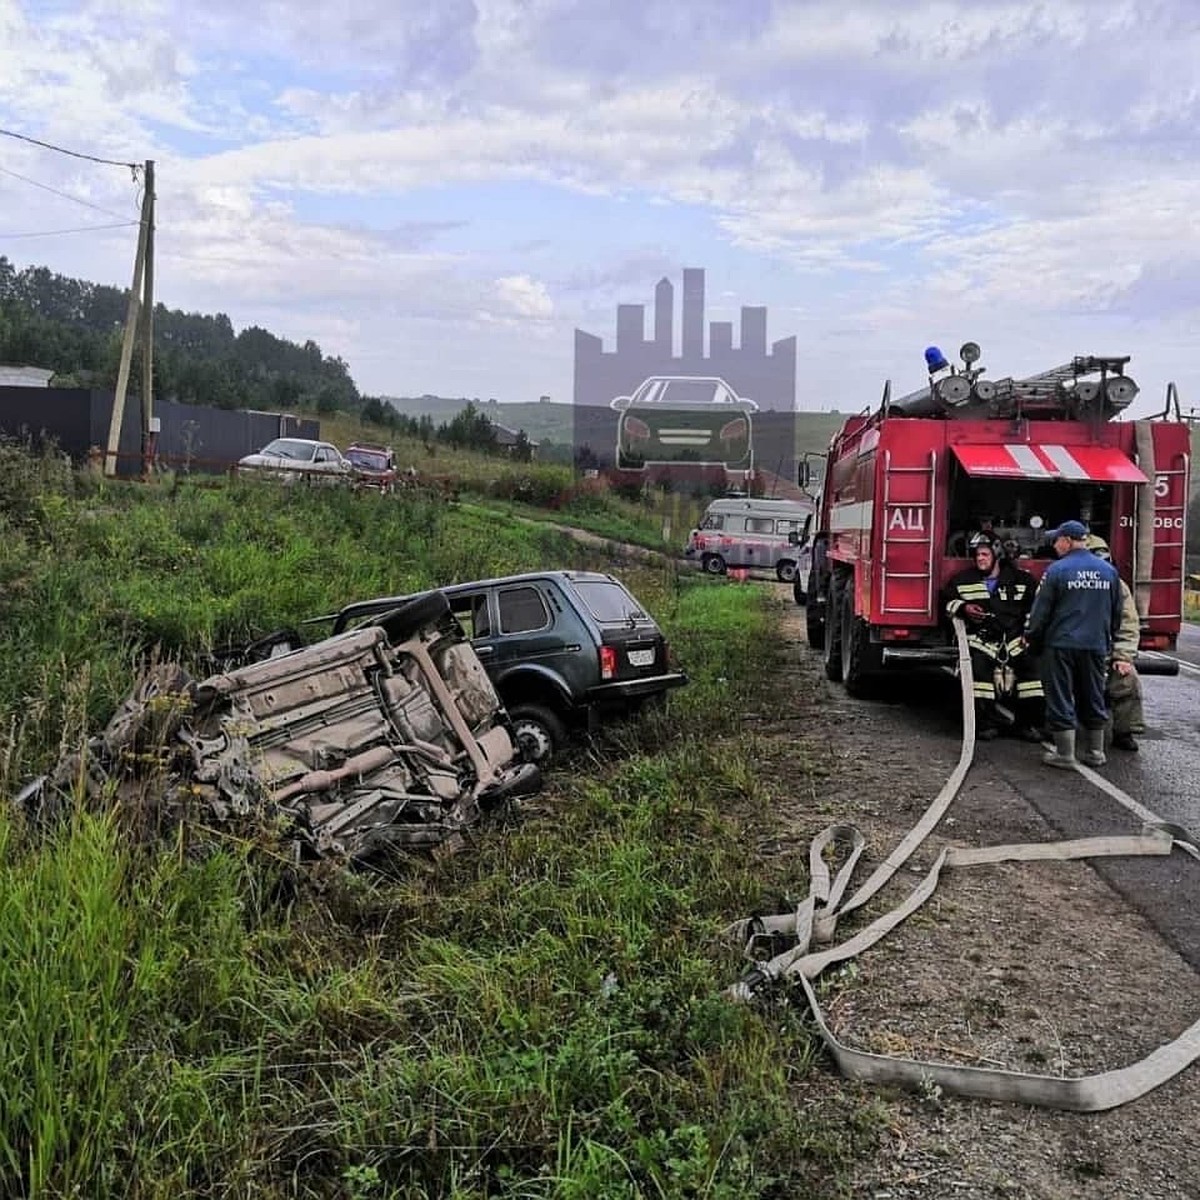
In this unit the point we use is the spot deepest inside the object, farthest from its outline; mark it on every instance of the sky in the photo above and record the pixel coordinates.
(442, 192)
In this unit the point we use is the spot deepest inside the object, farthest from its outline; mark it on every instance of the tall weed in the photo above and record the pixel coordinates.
(540, 1017)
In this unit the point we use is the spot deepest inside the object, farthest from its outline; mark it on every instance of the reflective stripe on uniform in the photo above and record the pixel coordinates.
(983, 691)
(985, 647)
(1029, 687)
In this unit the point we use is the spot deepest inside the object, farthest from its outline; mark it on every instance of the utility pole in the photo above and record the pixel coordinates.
(149, 424)
(131, 316)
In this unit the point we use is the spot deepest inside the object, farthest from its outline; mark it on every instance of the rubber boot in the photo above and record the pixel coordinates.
(1093, 748)
(1063, 754)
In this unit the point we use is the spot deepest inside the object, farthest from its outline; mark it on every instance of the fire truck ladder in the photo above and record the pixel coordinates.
(1170, 513)
(928, 476)
(1045, 385)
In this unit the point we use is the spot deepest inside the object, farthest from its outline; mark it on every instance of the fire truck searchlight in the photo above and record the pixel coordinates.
(906, 487)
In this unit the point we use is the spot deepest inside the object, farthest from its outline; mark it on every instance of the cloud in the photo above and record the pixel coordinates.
(1026, 167)
(524, 297)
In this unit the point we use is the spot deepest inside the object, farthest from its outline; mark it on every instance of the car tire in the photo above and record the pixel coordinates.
(862, 660)
(814, 626)
(785, 570)
(713, 564)
(539, 731)
(832, 641)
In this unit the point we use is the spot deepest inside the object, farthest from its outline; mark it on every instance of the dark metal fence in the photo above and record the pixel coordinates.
(192, 437)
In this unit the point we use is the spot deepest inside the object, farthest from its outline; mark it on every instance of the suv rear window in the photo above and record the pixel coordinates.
(607, 601)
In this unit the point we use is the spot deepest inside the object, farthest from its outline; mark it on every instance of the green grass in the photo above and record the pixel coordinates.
(542, 1016)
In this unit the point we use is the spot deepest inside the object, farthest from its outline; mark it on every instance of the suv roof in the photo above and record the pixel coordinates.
(379, 604)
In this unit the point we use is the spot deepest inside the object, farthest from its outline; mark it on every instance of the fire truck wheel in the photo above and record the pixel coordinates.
(814, 626)
(833, 630)
(785, 570)
(714, 564)
(861, 661)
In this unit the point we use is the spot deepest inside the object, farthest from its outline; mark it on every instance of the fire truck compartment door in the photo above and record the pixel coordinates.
(1099, 464)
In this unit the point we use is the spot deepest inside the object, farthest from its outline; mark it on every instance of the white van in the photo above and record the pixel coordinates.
(746, 532)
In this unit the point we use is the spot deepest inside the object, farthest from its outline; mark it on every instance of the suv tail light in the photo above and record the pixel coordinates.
(608, 662)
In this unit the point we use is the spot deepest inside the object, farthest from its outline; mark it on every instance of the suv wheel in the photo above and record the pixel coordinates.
(540, 732)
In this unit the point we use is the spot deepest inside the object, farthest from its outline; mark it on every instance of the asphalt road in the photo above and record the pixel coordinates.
(1164, 777)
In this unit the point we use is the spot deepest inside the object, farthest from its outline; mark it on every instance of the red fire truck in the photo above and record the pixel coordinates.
(906, 485)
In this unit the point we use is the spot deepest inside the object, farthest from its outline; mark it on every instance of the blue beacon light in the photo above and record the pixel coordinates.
(935, 360)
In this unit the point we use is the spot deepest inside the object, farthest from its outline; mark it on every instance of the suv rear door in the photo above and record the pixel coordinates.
(640, 650)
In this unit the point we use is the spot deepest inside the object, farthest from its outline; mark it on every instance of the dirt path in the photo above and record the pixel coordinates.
(1039, 968)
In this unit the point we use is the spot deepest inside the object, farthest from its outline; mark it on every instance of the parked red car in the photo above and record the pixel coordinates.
(372, 466)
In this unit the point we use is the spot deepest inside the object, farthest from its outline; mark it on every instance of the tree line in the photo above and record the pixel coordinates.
(468, 429)
(74, 328)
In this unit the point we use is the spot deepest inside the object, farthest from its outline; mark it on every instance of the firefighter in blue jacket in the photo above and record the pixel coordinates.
(1075, 619)
(993, 598)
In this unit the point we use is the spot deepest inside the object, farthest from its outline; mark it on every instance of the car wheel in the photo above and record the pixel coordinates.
(714, 564)
(861, 660)
(832, 647)
(785, 570)
(539, 731)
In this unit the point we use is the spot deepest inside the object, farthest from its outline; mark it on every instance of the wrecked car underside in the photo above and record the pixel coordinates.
(390, 735)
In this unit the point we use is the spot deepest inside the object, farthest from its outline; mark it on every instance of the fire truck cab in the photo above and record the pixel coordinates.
(905, 487)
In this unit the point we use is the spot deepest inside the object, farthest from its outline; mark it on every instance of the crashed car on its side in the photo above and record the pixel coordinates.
(390, 735)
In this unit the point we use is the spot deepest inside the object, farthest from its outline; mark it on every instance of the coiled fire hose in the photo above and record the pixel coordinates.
(814, 923)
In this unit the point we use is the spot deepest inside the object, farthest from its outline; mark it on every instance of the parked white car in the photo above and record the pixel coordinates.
(293, 459)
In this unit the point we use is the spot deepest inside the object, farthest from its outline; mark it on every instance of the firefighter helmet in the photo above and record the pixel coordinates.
(981, 541)
(1099, 547)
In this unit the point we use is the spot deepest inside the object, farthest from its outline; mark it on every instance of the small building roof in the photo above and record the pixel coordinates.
(22, 375)
(508, 437)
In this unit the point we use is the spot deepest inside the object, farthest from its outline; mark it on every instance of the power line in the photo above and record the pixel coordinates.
(65, 195)
(108, 162)
(75, 229)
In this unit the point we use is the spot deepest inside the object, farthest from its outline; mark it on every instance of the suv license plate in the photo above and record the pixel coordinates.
(641, 658)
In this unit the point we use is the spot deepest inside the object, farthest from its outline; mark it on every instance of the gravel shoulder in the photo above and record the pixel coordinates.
(1030, 967)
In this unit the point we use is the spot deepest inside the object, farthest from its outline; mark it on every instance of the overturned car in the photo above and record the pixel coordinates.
(387, 736)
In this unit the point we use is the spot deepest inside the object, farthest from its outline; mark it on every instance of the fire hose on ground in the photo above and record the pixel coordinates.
(812, 928)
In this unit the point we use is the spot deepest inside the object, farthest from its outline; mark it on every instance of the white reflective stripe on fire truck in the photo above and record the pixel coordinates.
(850, 516)
(1065, 461)
(1029, 462)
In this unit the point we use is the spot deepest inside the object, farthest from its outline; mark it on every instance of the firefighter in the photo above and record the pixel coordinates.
(994, 598)
(1123, 687)
(1075, 618)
